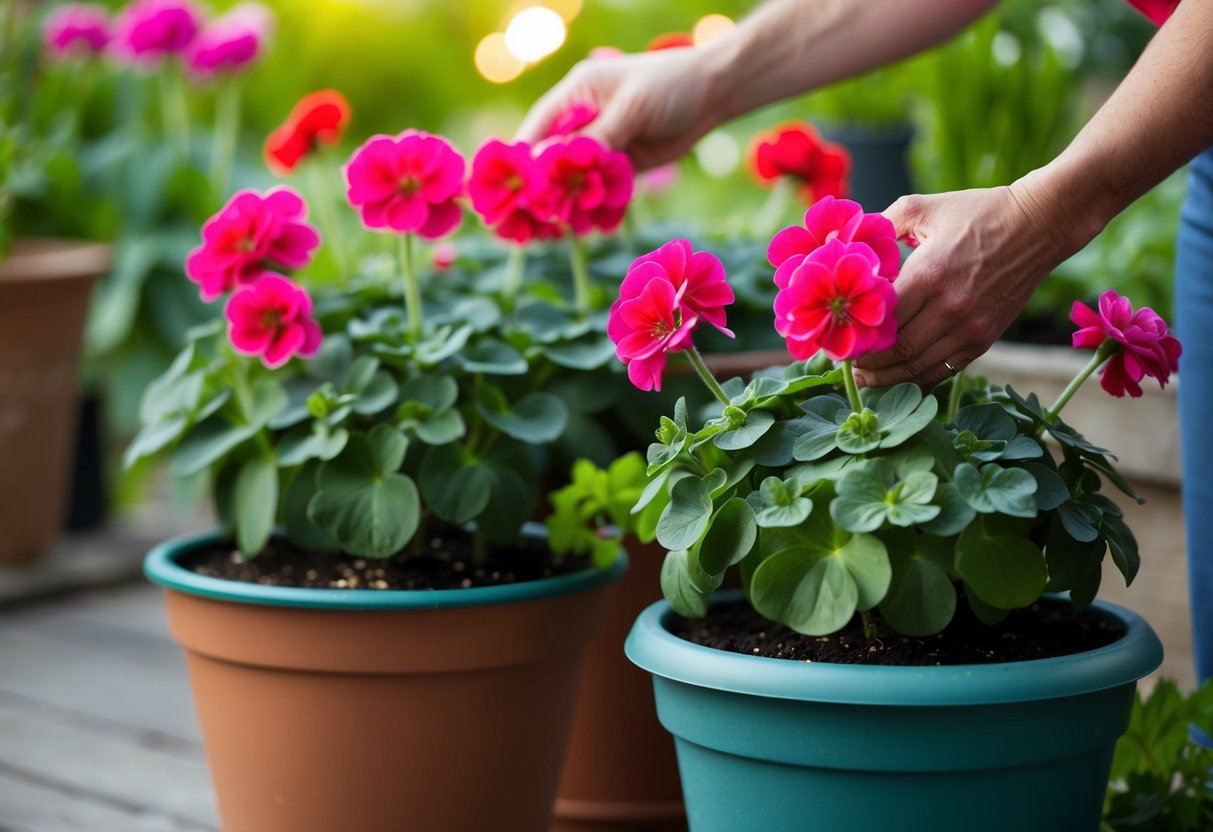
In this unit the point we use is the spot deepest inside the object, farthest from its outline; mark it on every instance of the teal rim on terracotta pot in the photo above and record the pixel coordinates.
(651, 646)
(161, 567)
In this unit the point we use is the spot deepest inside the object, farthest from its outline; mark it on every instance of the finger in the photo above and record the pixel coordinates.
(908, 215)
(615, 125)
(925, 368)
(912, 339)
(543, 113)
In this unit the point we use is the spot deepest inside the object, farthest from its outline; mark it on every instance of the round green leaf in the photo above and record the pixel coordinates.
(255, 503)
(812, 594)
(757, 423)
(689, 511)
(729, 538)
(679, 590)
(921, 599)
(1005, 572)
(536, 418)
(371, 518)
(456, 489)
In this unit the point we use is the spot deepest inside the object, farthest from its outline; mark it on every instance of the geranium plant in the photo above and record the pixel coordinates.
(369, 416)
(833, 500)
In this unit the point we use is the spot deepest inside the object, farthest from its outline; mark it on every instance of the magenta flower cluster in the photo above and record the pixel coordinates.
(247, 249)
(147, 32)
(1140, 342)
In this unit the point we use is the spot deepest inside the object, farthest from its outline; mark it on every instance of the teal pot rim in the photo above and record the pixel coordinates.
(161, 567)
(651, 646)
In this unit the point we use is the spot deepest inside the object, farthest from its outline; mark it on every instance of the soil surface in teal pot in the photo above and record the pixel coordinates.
(772, 745)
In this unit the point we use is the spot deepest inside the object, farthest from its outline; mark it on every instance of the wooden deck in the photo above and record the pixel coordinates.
(97, 728)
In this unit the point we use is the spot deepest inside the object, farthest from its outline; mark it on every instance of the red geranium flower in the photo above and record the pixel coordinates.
(317, 119)
(670, 40)
(797, 150)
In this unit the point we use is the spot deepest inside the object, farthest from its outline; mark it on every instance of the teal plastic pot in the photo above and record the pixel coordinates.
(376, 711)
(772, 745)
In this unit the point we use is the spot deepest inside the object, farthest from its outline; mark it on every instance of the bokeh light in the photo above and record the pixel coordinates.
(534, 33)
(495, 61)
(710, 27)
(718, 153)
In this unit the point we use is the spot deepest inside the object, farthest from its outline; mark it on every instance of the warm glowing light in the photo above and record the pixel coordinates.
(709, 28)
(494, 60)
(718, 153)
(534, 33)
(567, 9)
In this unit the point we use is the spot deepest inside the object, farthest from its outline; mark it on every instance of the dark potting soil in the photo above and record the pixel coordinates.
(1047, 628)
(445, 562)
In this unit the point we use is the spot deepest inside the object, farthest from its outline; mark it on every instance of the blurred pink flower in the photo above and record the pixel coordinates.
(407, 183)
(836, 301)
(232, 42)
(148, 30)
(76, 29)
(698, 275)
(582, 186)
(572, 119)
(251, 235)
(1146, 349)
(272, 318)
(829, 219)
(648, 321)
(599, 53)
(658, 180)
(444, 256)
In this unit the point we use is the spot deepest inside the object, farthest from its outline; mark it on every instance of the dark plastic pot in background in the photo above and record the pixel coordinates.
(880, 170)
(785, 746)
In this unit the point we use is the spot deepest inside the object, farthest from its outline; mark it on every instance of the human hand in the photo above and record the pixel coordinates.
(980, 256)
(654, 106)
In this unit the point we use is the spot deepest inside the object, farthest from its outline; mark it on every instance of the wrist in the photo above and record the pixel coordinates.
(1067, 204)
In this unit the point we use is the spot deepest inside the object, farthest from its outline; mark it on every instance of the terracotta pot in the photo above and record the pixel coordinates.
(380, 711)
(44, 290)
(620, 772)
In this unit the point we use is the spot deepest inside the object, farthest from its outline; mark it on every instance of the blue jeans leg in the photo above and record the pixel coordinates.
(1194, 326)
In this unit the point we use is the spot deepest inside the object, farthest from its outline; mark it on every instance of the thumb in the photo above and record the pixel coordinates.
(615, 126)
(909, 217)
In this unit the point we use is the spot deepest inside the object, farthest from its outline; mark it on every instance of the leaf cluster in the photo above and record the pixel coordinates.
(900, 507)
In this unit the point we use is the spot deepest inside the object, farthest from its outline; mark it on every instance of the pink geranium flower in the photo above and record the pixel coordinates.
(272, 318)
(232, 42)
(834, 219)
(648, 321)
(836, 301)
(76, 29)
(500, 187)
(698, 275)
(407, 183)
(148, 30)
(1145, 347)
(252, 234)
(572, 119)
(581, 185)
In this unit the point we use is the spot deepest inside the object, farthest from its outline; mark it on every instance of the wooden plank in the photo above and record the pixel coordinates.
(31, 806)
(112, 766)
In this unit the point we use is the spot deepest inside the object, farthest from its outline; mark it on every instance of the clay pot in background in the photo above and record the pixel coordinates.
(379, 711)
(620, 773)
(44, 291)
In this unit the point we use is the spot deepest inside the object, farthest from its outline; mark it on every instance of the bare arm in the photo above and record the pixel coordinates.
(984, 252)
(657, 105)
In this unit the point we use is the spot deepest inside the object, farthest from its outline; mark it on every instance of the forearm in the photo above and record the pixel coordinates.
(1158, 118)
(788, 47)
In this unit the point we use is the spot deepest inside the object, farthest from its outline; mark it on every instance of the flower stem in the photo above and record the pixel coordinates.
(227, 134)
(581, 275)
(774, 211)
(706, 376)
(323, 201)
(412, 288)
(848, 378)
(870, 631)
(1106, 350)
(958, 386)
(173, 112)
(511, 282)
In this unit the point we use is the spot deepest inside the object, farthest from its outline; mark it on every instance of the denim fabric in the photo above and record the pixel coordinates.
(1194, 326)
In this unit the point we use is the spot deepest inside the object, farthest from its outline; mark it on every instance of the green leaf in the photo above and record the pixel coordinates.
(255, 503)
(536, 418)
(921, 599)
(388, 447)
(303, 443)
(903, 413)
(299, 529)
(774, 449)
(1080, 519)
(514, 494)
(689, 511)
(955, 513)
(153, 437)
(730, 537)
(823, 417)
(378, 395)
(871, 495)
(493, 357)
(436, 393)
(859, 433)
(445, 342)
(447, 426)
(777, 503)
(985, 613)
(1051, 490)
(757, 423)
(808, 591)
(1123, 547)
(679, 589)
(588, 352)
(1005, 572)
(455, 486)
(997, 490)
(207, 443)
(1070, 561)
